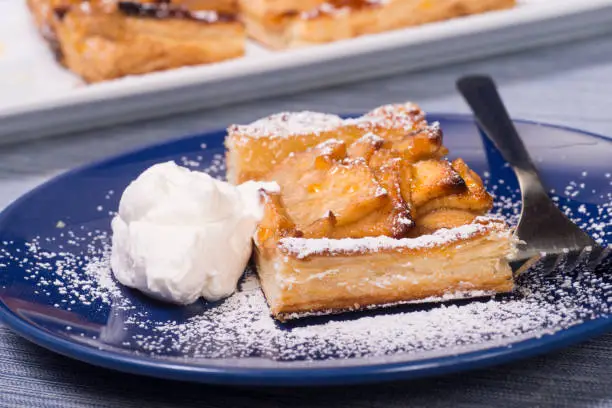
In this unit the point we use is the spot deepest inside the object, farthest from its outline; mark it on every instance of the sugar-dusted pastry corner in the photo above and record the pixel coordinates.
(293, 23)
(107, 39)
(369, 212)
(304, 276)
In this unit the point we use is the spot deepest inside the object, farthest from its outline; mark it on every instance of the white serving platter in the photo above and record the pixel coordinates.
(39, 98)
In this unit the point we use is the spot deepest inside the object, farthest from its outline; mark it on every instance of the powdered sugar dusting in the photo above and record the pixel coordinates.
(302, 248)
(287, 124)
(393, 116)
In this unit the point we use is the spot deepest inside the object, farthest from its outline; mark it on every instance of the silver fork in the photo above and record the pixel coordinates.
(543, 231)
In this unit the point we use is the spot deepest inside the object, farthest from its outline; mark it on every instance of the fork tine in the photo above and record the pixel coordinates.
(576, 258)
(599, 256)
(595, 257)
(550, 263)
(590, 258)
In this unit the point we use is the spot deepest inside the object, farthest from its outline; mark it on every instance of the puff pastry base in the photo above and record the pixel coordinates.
(316, 276)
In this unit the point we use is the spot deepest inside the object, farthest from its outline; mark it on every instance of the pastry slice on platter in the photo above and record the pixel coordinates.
(106, 39)
(294, 23)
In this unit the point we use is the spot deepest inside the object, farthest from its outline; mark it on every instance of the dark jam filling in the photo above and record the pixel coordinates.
(166, 10)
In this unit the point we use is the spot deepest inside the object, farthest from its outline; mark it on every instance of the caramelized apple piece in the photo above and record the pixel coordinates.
(275, 223)
(321, 228)
(382, 156)
(474, 199)
(350, 191)
(422, 144)
(365, 147)
(432, 179)
(444, 218)
(314, 182)
(389, 221)
(388, 175)
(472, 179)
(391, 175)
(320, 157)
(394, 219)
(406, 176)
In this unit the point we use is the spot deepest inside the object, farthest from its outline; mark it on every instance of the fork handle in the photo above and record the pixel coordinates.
(481, 94)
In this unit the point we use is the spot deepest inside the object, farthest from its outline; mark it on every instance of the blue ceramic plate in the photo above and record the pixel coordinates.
(57, 291)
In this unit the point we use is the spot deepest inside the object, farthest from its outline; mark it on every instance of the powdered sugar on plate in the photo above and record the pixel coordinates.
(79, 271)
(241, 326)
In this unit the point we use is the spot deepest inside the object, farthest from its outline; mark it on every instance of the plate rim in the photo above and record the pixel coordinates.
(298, 376)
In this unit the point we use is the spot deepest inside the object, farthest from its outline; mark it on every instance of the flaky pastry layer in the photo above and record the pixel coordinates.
(314, 276)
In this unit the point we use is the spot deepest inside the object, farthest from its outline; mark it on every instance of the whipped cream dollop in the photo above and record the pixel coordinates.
(181, 234)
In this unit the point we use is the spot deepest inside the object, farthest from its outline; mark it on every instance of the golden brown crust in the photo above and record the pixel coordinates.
(302, 26)
(107, 40)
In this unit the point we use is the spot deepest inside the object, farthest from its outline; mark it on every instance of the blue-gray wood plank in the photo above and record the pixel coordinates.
(568, 84)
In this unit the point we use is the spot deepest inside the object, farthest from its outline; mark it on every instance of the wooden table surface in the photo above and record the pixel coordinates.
(569, 84)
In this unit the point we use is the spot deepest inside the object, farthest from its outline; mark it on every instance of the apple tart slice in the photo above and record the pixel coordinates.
(371, 216)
